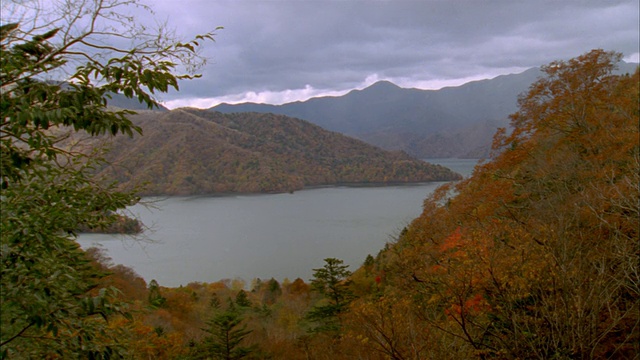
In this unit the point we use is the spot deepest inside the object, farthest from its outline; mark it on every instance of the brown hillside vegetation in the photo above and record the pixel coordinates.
(189, 151)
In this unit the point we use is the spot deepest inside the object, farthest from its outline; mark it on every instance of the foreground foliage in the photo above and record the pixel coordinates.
(50, 305)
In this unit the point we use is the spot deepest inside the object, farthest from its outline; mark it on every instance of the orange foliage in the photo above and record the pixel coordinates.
(453, 241)
(534, 255)
(148, 342)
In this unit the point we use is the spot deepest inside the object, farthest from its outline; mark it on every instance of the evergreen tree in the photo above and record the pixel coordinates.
(155, 297)
(226, 335)
(331, 282)
(368, 264)
(242, 299)
(214, 302)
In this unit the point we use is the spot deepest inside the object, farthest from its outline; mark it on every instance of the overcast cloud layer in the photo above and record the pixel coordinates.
(282, 51)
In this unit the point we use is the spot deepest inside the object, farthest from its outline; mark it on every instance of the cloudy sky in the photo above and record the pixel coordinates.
(279, 51)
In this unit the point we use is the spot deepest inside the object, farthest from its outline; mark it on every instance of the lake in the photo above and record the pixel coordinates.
(208, 238)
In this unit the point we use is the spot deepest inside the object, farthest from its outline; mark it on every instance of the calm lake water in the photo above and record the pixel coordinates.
(276, 235)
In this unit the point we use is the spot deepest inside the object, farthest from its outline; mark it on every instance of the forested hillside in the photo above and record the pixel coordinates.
(533, 257)
(189, 151)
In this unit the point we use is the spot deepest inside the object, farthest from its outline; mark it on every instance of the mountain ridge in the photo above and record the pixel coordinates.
(409, 119)
(424, 123)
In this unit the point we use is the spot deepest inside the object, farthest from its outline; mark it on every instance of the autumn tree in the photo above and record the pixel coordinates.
(47, 191)
(385, 325)
(573, 161)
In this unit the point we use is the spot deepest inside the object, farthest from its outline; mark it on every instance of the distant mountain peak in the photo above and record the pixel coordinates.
(383, 84)
(379, 88)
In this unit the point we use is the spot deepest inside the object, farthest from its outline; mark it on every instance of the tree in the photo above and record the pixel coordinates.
(384, 324)
(155, 297)
(331, 282)
(242, 299)
(49, 304)
(573, 164)
(227, 334)
(369, 261)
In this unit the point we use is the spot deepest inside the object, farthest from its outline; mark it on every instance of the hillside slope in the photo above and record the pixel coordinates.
(189, 151)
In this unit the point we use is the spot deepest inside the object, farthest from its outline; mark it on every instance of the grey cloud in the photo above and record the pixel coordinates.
(280, 45)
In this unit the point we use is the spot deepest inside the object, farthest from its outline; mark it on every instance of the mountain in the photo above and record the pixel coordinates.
(450, 122)
(190, 151)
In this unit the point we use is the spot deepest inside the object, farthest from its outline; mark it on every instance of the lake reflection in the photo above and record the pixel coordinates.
(277, 235)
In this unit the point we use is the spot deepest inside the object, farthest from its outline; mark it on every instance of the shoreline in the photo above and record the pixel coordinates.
(306, 187)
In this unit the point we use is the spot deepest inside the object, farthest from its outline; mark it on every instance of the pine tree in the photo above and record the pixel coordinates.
(226, 336)
(242, 299)
(331, 282)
